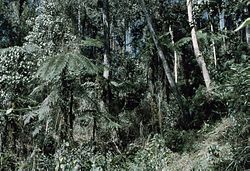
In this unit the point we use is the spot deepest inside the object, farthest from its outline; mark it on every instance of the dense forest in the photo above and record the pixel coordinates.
(113, 85)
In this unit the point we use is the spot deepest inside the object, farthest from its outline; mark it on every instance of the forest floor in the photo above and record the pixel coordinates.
(208, 149)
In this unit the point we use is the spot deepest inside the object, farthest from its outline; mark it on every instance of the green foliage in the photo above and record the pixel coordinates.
(8, 161)
(153, 156)
(180, 141)
(17, 68)
(1, 5)
(92, 42)
(75, 63)
(57, 112)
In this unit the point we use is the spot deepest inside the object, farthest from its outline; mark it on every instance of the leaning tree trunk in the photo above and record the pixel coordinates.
(198, 54)
(165, 64)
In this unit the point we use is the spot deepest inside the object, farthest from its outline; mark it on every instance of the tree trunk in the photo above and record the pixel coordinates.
(166, 67)
(248, 34)
(212, 31)
(175, 56)
(106, 25)
(66, 105)
(213, 44)
(107, 55)
(79, 19)
(159, 98)
(222, 19)
(222, 25)
(198, 54)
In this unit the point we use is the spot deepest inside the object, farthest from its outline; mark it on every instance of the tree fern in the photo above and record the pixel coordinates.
(183, 41)
(202, 36)
(78, 63)
(44, 110)
(92, 42)
(46, 68)
(75, 63)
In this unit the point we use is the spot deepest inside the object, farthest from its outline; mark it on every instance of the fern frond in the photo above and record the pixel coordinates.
(75, 63)
(45, 70)
(203, 36)
(60, 63)
(92, 42)
(45, 108)
(40, 88)
(183, 41)
(78, 63)
(218, 37)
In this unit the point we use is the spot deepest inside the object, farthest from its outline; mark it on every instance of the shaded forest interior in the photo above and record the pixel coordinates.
(124, 85)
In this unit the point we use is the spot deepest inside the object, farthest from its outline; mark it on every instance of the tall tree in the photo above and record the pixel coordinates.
(248, 34)
(106, 57)
(106, 25)
(175, 55)
(165, 64)
(197, 52)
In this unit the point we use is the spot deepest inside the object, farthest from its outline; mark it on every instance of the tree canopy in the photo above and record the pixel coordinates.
(124, 85)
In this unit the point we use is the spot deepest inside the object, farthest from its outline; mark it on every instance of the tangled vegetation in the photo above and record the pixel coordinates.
(124, 85)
